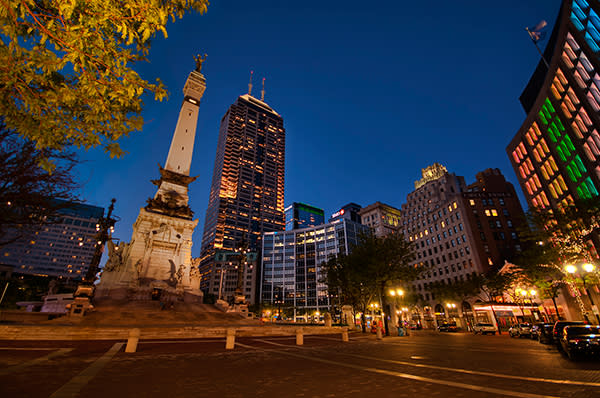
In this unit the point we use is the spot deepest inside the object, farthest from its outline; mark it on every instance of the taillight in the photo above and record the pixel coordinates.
(574, 341)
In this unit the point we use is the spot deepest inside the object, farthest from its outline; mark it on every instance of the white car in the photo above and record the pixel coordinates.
(484, 328)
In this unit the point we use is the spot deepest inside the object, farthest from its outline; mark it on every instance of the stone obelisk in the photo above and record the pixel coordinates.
(156, 264)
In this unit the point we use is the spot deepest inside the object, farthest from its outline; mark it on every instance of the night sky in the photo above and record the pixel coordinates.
(370, 93)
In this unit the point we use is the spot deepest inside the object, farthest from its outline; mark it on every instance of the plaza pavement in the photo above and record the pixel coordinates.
(422, 364)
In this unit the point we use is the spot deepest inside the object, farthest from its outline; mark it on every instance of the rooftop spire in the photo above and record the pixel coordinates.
(250, 84)
(262, 92)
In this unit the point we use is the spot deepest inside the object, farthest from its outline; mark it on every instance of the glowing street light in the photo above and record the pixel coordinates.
(586, 268)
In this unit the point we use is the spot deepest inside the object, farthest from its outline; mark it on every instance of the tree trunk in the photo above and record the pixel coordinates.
(556, 308)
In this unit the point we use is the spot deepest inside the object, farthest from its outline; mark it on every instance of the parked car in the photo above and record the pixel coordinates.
(484, 328)
(520, 330)
(448, 327)
(542, 332)
(558, 328)
(578, 340)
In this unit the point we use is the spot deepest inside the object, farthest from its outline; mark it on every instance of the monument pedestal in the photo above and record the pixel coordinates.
(157, 263)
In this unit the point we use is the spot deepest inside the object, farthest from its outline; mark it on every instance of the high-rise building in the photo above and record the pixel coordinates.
(348, 212)
(246, 196)
(291, 264)
(383, 219)
(222, 278)
(300, 215)
(459, 230)
(63, 249)
(556, 152)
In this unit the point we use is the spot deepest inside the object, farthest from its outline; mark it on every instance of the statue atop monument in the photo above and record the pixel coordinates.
(199, 61)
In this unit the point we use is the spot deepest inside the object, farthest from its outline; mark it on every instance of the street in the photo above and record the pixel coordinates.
(453, 364)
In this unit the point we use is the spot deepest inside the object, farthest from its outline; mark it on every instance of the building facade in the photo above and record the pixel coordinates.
(556, 152)
(348, 212)
(300, 215)
(221, 278)
(459, 230)
(64, 249)
(291, 265)
(247, 191)
(381, 218)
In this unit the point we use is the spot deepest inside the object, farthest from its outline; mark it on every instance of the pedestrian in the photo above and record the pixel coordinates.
(400, 330)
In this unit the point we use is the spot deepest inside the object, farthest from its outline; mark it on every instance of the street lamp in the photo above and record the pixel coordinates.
(586, 268)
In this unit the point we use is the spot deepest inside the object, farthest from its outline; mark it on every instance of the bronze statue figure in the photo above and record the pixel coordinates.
(199, 60)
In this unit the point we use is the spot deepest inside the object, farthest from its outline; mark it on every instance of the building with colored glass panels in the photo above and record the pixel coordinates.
(556, 152)
(300, 215)
(63, 249)
(291, 265)
(246, 195)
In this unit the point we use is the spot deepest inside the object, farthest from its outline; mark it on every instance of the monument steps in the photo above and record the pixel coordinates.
(150, 313)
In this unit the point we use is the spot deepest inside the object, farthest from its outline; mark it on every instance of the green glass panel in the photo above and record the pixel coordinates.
(552, 136)
(591, 187)
(579, 164)
(542, 117)
(569, 142)
(575, 169)
(549, 106)
(559, 123)
(565, 149)
(561, 154)
(584, 191)
(570, 174)
(580, 193)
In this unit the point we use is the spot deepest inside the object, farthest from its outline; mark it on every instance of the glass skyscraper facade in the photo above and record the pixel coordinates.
(556, 152)
(246, 196)
(291, 264)
(300, 215)
(63, 249)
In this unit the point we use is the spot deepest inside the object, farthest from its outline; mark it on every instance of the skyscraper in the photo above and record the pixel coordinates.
(246, 195)
(62, 249)
(301, 215)
(556, 152)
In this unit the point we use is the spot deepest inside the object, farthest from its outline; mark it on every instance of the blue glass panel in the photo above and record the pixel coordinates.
(595, 19)
(582, 3)
(576, 22)
(580, 14)
(592, 43)
(592, 31)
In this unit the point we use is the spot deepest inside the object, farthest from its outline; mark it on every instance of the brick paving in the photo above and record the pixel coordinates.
(323, 367)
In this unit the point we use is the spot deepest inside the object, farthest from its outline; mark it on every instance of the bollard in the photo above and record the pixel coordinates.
(230, 342)
(132, 341)
(299, 337)
(345, 335)
(379, 333)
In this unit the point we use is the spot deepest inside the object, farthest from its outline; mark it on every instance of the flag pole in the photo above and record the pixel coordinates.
(538, 48)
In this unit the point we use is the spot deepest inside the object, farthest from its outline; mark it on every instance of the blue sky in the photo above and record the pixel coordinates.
(370, 93)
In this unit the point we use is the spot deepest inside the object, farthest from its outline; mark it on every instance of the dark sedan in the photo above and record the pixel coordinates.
(558, 328)
(448, 327)
(578, 340)
(542, 332)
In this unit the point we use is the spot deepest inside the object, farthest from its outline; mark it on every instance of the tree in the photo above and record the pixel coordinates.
(492, 286)
(30, 197)
(556, 238)
(373, 264)
(66, 76)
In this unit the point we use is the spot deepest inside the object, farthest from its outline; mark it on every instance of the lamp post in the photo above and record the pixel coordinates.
(585, 269)
(397, 294)
(521, 295)
(105, 224)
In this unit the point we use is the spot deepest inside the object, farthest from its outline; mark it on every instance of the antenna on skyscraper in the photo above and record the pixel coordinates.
(250, 84)
(262, 92)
